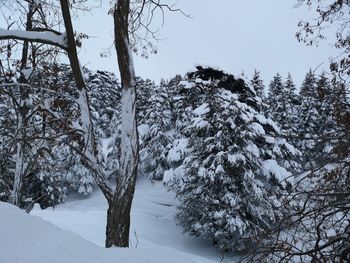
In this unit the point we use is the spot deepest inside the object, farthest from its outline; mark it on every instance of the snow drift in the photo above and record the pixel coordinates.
(28, 239)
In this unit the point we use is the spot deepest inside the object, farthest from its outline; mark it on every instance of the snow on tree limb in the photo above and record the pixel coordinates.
(44, 37)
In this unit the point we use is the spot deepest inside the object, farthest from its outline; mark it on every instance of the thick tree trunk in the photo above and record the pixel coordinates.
(118, 221)
(118, 216)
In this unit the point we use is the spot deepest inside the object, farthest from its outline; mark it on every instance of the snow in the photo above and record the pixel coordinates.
(257, 128)
(129, 138)
(173, 174)
(143, 129)
(178, 151)
(269, 167)
(202, 110)
(154, 234)
(186, 84)
(253, 149)
(236, 157)
(29, 239)
(27, 72)
(48, 37)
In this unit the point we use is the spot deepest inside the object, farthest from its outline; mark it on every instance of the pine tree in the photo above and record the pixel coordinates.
(316, 120)
(233, 175)
(258, 85)
(276, 95)
(156, 142)
(308, 87)
(323, 87)
(290, 115)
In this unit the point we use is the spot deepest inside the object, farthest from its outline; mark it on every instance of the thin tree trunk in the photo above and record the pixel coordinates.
(89, 155)
(118, 215)
(20, 168)
(21, 165)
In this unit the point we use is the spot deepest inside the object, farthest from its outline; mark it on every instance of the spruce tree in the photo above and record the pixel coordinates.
(308, 87)
(234, 174)
(276, 96)
(156, 142)
(257, 83)
(316, 120)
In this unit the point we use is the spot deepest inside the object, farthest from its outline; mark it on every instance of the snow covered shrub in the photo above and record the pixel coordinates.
(237, 169)
(317, 229)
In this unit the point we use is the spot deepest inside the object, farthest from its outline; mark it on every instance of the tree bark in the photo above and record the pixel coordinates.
(89, 155)
(118, 215)
(72, 49)
(22, 112)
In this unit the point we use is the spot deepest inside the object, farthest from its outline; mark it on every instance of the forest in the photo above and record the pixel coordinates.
(257, 169)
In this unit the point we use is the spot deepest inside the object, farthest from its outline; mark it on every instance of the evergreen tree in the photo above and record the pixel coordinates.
(276, 99)
(308, 87)
(104, 93)
(290, 115)
(323, 87)
(156, 142)
(316, 120)
(234, 175)
(258, 85)
(284, 105)
(289, 85)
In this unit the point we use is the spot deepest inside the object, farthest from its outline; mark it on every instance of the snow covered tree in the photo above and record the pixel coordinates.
(42, 178)
(257, 83)
(104, 93)
(317, 229)
(235, 172)
(289, 85)
(289, 117)
(145, 89)
(46, 34)
(155, 143)
(316, 121)
(283, 105)
(308, 87)
(276, 97)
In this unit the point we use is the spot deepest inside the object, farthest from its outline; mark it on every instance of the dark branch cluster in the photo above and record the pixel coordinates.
(147, 17)
(331, 14)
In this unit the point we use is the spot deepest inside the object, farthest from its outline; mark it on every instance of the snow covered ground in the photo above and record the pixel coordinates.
(29, 239)
(153, 228)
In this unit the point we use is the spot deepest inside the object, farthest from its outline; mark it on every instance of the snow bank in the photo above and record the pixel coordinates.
(29, 239)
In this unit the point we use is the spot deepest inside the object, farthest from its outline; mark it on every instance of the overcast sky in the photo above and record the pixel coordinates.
(234, 35)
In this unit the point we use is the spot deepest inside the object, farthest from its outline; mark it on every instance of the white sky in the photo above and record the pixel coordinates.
(234, 35)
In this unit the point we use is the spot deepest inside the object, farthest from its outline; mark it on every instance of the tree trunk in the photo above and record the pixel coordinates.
(118, 221)
(23, 109)
(20, 168)
(89, 154)
(118, 215)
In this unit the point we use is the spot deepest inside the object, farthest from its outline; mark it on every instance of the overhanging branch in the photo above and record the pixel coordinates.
(44, 37)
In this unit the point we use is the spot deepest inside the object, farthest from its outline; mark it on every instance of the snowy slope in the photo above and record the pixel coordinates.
(153, 225)
(29, 239)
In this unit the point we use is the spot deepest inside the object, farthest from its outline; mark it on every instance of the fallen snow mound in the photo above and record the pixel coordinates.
(29, 239)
